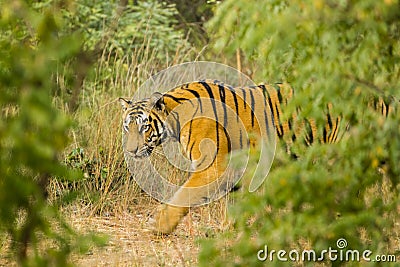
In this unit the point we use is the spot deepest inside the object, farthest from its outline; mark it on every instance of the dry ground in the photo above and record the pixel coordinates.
(131, 243)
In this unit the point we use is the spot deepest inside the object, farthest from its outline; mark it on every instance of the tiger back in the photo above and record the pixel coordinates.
(210, 119)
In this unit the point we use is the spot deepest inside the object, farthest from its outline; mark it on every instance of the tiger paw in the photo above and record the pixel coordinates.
(167, 218)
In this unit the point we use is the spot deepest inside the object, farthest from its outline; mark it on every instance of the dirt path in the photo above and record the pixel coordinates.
(132, 244)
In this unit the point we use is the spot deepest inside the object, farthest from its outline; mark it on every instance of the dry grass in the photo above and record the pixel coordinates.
(111, 203)
(131, 242)
(107, 186)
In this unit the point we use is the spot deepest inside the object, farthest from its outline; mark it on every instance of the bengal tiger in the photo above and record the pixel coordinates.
(211, 110)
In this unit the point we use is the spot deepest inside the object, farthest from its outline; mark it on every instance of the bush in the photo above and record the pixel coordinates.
(33, 133)
(128, 42)
(341, 53)
(127, 27)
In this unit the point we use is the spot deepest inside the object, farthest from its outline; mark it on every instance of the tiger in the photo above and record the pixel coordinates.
(232, 118)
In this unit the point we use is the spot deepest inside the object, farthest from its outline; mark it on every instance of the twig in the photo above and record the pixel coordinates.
(366, 83)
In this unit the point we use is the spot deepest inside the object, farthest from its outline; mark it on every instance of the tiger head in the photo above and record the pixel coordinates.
(143, 125)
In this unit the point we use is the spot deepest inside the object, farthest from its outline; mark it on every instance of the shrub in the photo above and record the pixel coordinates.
(128, 27)
(33, 133)
(331, 52)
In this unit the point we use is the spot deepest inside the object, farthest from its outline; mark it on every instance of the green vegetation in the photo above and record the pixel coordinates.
(129, 42)
(344, 53)
(32, 134)
(64, 63)
(128, 26)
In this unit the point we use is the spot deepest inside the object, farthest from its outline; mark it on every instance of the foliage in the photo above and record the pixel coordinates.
(118, 37)
(33, 133)
(102, 172)
(128, 26)
(127, 41)
(191, 18)
(339, 52)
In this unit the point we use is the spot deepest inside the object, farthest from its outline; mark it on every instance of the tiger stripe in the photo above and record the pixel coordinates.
(209, 109)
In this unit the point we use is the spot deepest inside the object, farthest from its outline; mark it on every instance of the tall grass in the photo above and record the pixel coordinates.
(96, 140)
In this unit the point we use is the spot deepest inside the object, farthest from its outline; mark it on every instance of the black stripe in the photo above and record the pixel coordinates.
(190, 125)
(157, 130)
(334, 132)
(190, 134)
(329, 121)
(136, 112)
(228, 140)
(155, 115)
(197, 95)
(309, 134)
(177, 133)
(387, 109)
(236, 103)
(279, 128)
(328, 115)
(264, 91)
(294, 137)
(336, 129)
(278, 90)
(190, 150)
(210, 94)
(244, 98)
(222, 98)
(176, 99)
(252, 103)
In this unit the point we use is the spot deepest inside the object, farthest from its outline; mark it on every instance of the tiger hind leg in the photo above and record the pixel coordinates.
(201, 188)
(168, 217)
(205, 181)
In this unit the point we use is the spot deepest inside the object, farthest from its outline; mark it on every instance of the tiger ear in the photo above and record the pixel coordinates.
(125, 103)
(157, 101)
